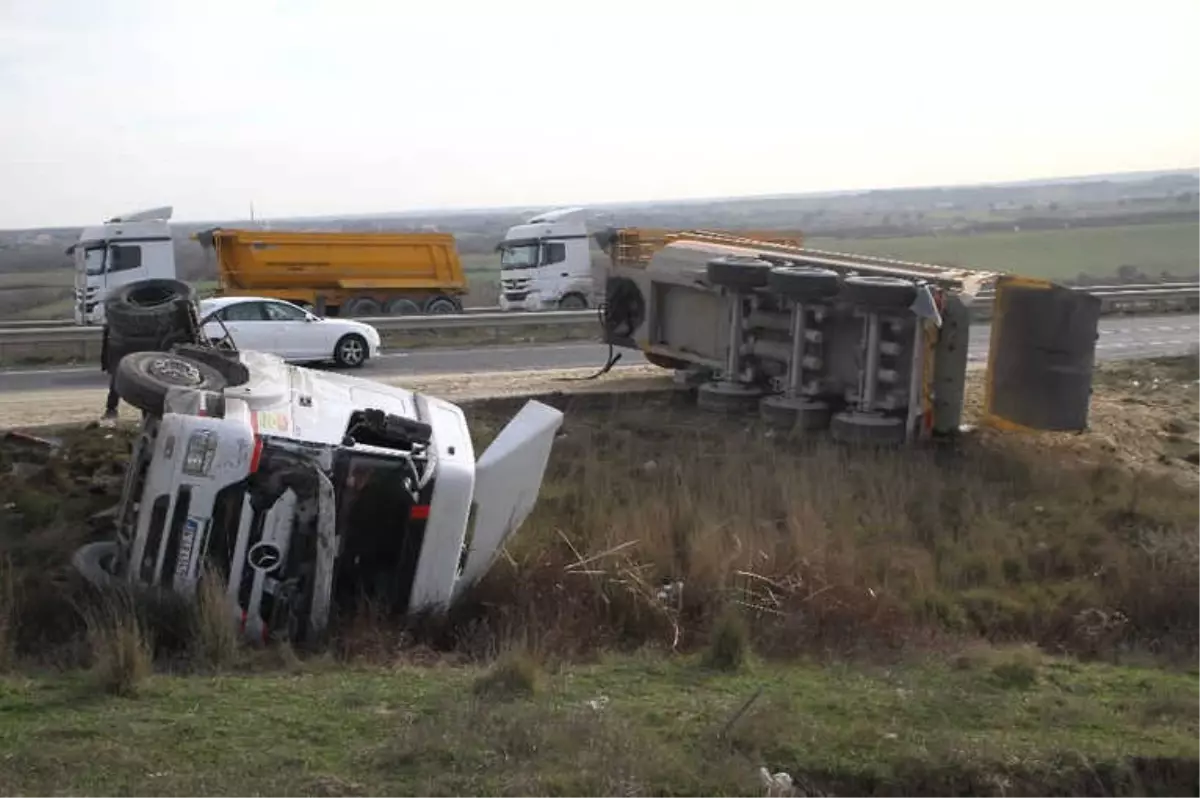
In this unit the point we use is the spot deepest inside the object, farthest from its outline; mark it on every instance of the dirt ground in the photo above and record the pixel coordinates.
(46, 408)
(1144, 413)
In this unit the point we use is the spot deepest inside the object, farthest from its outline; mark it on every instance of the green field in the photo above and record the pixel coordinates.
(1152, 249)
(1055, 254)
(1002, 723)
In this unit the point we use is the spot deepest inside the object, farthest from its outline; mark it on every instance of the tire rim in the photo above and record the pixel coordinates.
(352, 352)
(175, 371)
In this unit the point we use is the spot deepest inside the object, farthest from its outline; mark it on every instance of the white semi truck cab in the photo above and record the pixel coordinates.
(125, 249)
(545, 264)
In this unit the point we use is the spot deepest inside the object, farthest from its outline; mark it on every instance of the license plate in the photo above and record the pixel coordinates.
(183, 564)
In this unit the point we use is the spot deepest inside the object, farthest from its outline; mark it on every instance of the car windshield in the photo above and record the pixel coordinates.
(93, 260)
(523, 256)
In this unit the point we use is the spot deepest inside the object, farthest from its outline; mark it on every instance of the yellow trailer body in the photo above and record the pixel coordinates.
(347, 274)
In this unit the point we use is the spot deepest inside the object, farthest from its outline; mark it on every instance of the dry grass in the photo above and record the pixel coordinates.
(122, 656)
(515, 673)
(8, 614)
(654, 516)
(729, 642)
(214, 638)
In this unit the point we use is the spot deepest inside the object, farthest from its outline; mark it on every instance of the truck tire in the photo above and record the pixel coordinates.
(738, 272)
(350, 352)
(403, 307)
(144, 378)
(573, 302)
(879, 293)
(442, 304)
(803, 284)
(224, 361)
(361, 306)
(94, 562)
(147, 308)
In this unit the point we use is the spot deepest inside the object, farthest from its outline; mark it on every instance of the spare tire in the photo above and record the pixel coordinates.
(225, 361)
(739, 272)
(147, 308)
(144, 378)
(879, 293)
(803, 283)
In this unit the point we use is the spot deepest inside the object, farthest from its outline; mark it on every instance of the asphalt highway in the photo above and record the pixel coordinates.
(1124, 337)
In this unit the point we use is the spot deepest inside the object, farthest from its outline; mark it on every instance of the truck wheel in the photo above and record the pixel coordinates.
(144, 378)
(361, 306)
(147, 308)
(350, 351)
(879, 293)
(573, 302)
(802, 283)
(225, 361)
(95, 561)
(442, 304)
(739, 272)
(403, 307)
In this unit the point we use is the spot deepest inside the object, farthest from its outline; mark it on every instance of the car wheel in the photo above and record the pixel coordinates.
(351, 351)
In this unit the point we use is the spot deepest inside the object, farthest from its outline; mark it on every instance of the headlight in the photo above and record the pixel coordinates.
(201, 449)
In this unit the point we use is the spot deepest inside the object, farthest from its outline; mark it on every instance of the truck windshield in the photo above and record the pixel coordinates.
(523, 256)
(93, 260)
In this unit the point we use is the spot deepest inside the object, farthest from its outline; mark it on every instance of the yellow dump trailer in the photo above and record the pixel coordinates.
(635, 246)
(341, 274)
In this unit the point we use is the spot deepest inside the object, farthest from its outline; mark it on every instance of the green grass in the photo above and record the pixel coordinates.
(1055, 254)
(632, 725)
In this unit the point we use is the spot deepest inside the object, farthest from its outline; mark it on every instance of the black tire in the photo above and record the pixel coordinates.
(350, 352)
(803, 283)
(147, 308)
(573, 302)
(361, 306)
(94, 562)
(738, 272)
(879, 293)
(144, 378)
(403, 307)
(442, 304)
(225, 361)
(665, 362)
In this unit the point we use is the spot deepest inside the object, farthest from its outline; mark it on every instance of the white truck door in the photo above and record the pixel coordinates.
(508, 477)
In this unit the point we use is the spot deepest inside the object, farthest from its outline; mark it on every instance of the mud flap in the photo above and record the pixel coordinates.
(1043, 350)
(508, 477)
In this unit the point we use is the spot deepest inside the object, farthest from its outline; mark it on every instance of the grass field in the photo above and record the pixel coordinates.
(1056, 254)
(1003, 722)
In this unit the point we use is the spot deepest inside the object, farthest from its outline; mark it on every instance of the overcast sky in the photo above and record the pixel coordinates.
(350, 106)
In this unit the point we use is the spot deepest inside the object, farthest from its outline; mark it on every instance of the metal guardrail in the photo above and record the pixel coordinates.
(51, 339)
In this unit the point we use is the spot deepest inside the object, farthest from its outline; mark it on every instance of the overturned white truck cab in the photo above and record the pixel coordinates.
(303, 488)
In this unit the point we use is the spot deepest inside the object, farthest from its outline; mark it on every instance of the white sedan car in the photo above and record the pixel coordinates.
(280, 328)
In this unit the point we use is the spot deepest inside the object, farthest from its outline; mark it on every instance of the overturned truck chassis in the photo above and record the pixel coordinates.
(871, 349)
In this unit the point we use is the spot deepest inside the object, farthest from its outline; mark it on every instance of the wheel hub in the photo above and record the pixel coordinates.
(175, 371)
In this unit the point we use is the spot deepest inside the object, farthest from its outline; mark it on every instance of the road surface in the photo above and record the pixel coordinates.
(1120, 338)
